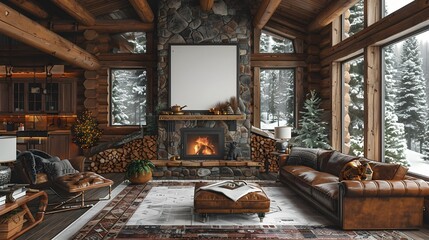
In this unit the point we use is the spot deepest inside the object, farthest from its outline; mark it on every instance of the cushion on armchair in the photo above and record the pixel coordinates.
(58, 169)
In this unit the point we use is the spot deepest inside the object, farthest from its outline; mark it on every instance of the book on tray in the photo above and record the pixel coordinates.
(11, 192)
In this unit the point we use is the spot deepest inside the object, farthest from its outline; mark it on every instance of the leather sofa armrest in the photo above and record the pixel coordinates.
(384, 188)
(78, 163)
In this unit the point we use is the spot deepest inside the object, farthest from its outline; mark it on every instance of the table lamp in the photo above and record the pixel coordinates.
(283, 134)
(7, 154)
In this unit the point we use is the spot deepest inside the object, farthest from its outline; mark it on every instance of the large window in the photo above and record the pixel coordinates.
(128, 97)
(406, 103)
(353, 101)
(277, 97)
(270, 43)
(353, 20)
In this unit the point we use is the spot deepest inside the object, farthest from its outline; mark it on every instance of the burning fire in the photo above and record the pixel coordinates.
(204, 147)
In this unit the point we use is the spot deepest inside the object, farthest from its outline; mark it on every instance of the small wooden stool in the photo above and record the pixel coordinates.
(206, 201)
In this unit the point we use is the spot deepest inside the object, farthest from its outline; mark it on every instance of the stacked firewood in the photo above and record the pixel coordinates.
(117, 159)
(262, 147)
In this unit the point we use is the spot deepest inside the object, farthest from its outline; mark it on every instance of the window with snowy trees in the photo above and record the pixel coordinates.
(128, 97)
(391, 6)
(129, 42)
(270, 43)
(353, 20)
(406, 102)
(277, 97)
(353, 100)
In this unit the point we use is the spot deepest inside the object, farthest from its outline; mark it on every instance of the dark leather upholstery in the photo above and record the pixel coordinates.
(214, 202)
(79, 182)
(391, 201)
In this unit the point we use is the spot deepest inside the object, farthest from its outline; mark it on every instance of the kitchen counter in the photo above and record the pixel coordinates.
(53, 132)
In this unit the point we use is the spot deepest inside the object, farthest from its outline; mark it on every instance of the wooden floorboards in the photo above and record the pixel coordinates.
(55, 223)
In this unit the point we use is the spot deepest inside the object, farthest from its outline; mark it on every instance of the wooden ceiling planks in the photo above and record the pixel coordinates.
(101, 8)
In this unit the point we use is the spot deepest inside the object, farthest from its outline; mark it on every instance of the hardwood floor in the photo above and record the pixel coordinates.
(55, 223)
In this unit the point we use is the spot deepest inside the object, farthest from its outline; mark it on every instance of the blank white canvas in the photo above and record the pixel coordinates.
(202, 75)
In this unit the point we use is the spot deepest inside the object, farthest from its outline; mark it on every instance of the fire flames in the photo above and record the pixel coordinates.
(204, 147)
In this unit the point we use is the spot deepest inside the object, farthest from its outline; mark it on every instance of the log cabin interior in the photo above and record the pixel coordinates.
(157, 77)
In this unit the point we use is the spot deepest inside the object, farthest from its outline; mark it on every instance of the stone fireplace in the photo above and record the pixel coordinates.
(202, 143)
(183, 22)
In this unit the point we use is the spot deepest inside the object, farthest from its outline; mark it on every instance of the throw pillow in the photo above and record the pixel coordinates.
(303, 156)
(353, 170)
(386, 171)
(58, 169)
(336, 163)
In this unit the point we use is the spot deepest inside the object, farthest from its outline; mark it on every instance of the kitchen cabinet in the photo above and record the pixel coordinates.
(58, 145)
(41, 97)
(4, 97)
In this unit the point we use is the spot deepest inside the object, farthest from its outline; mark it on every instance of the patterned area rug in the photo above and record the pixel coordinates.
(111, 223)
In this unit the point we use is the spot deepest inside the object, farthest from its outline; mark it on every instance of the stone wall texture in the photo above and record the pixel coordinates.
(183, 22)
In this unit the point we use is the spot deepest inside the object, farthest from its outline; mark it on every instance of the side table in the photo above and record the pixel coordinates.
(22, 202)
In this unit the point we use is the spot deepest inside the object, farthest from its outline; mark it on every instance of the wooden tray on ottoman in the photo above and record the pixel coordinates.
(206, 201)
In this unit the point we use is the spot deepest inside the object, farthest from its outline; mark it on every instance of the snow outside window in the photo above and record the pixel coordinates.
(277, 97)
(270, 43)
(353, 101)
(391, 6)
(353, 20)
(406, 103)
(128, 95)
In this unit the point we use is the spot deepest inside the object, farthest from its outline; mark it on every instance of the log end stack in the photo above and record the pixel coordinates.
(117, 159)
(262, 146)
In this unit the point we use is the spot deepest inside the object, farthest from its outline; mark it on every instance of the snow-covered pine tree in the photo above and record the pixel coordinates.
(356, 107)
(312, 130)
(425, 147)
(394, 141)
(411, 99)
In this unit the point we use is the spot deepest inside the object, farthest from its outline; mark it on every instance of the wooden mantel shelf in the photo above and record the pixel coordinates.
(201, 117)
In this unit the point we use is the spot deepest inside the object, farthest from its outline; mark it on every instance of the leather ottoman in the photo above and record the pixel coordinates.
(78, 183)
(206, 202)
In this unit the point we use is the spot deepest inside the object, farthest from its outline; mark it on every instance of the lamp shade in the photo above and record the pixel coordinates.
(7, 149)
(283, 132)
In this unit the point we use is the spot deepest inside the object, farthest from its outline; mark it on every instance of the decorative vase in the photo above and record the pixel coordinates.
(141, 178)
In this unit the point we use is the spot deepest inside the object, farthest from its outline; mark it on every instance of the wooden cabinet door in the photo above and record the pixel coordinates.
(4, 97)
(67, 97)
(58, 145)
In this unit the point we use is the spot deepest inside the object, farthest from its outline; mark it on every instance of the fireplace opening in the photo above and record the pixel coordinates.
(202, 143)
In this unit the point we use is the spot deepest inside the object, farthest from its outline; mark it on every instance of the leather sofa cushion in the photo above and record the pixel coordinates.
(315, 178)
(83, 181)
(336, 163)
(386, 171)
(327, 194)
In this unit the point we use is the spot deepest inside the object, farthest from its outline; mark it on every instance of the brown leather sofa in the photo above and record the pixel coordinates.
(391, 200)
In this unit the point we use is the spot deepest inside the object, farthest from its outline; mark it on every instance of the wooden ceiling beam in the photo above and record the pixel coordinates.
(17, 26)
(264, 13)
(329, 13)
(206, 5)
(77, 11)
(103, 26)
(31, 8)
(143, 10)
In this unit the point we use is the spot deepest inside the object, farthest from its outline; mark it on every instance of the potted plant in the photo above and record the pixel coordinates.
(139, 171)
